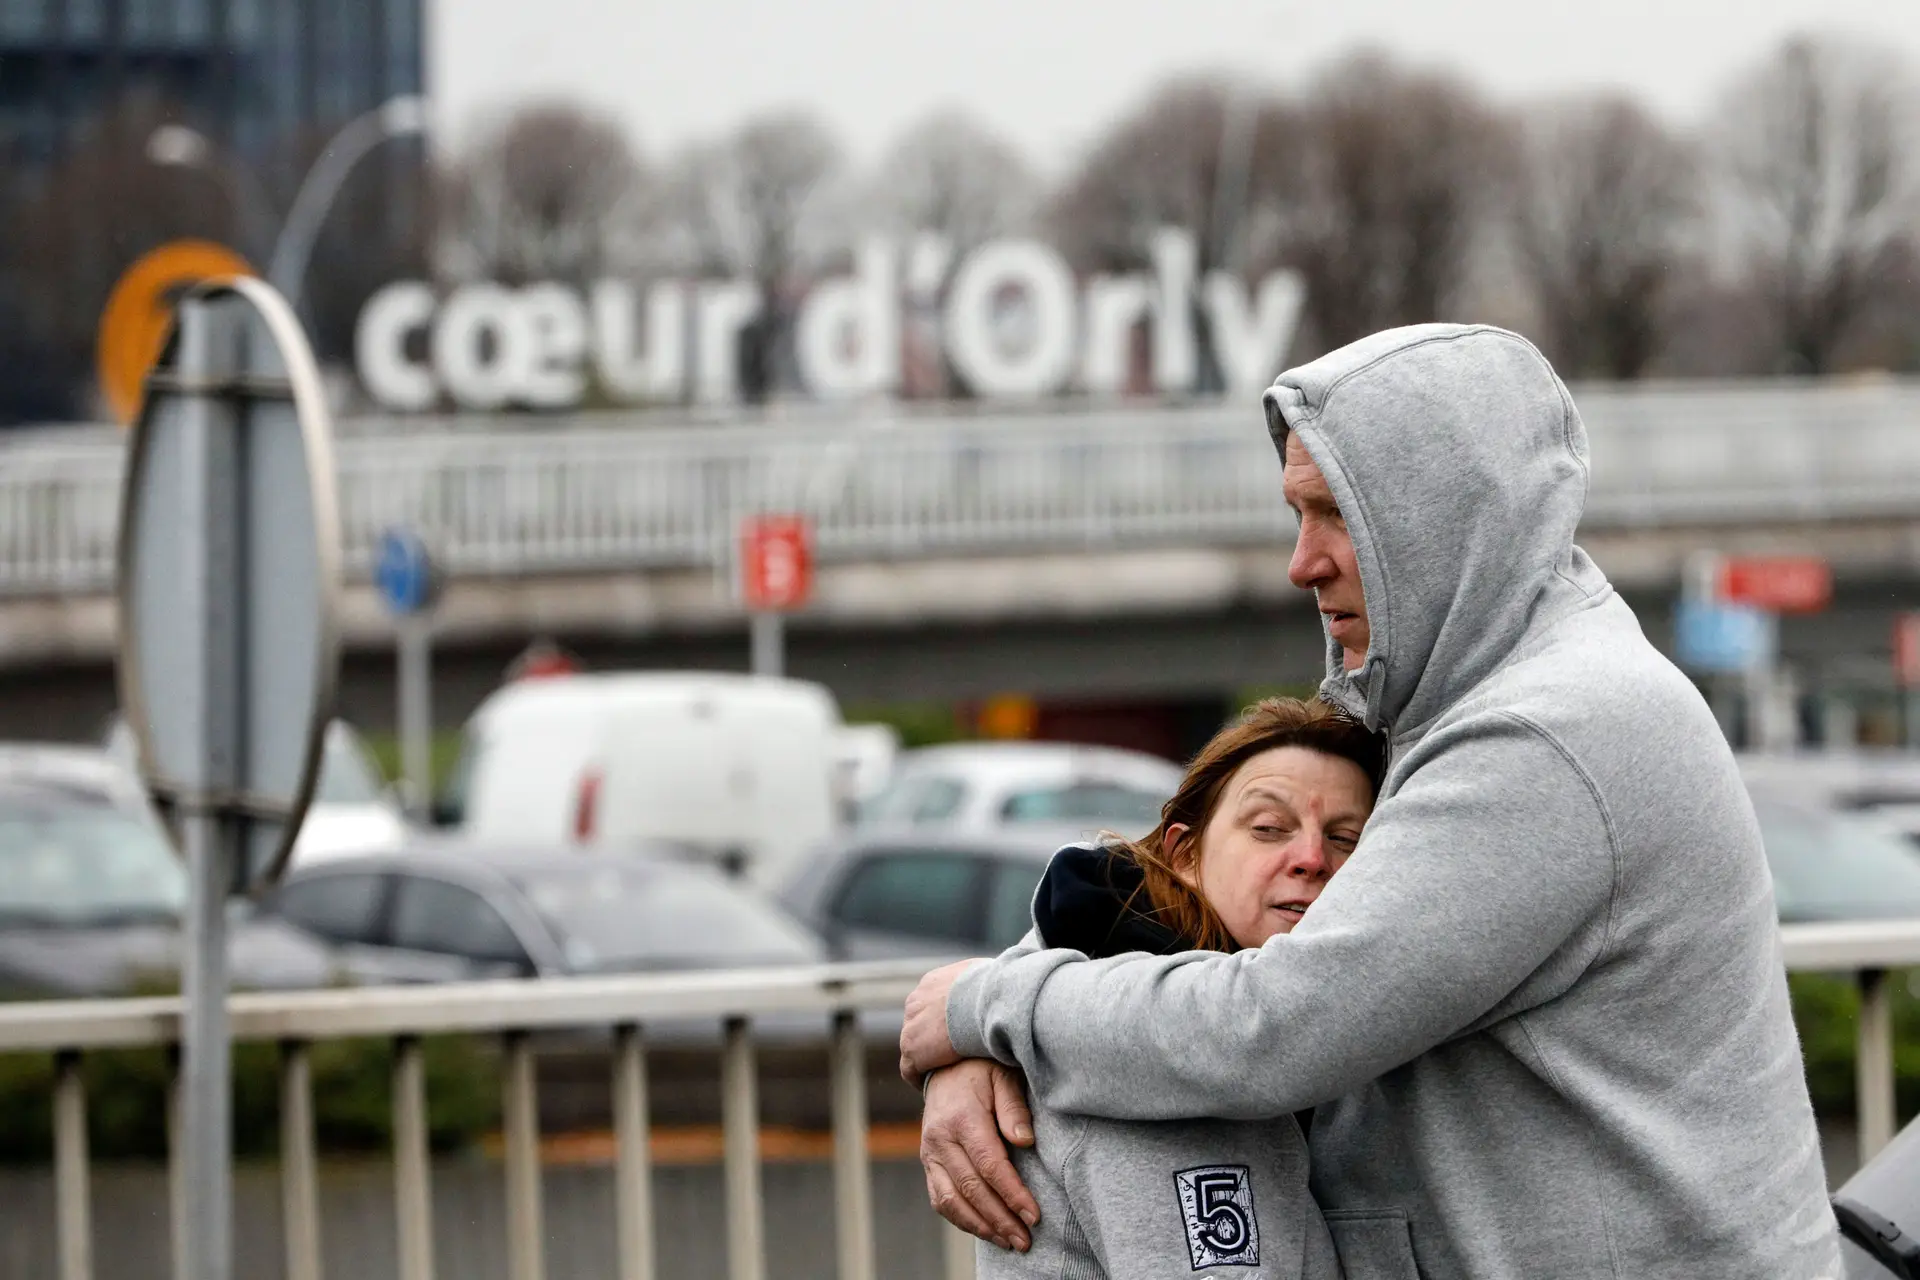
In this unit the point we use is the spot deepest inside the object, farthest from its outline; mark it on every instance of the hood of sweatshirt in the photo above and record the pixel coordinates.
(1091, 901)
(1460, 466)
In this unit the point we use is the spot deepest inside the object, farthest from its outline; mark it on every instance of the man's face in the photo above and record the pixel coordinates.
(1323, 560)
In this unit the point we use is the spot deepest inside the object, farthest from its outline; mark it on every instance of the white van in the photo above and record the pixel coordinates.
(738, 769)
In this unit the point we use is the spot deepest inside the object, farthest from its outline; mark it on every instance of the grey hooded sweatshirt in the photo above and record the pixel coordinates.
(1542, 1011)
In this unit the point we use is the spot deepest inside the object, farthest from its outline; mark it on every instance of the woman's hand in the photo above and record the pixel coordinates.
(924, 1046)
(972, 1110)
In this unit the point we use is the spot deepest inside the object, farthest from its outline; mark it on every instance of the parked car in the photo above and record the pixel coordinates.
(1882, 785)
(900, 892)
(352, 810)
(864, 755)
(978, 786)
(740, 768)
(85, 771)
(92, 895)
(1836, 866)
(447, 910)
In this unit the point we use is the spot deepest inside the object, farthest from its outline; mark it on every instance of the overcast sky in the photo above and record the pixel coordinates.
(1048, 73)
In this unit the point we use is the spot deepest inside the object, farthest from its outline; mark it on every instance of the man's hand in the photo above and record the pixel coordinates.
(924, 1047)
(970, 1108)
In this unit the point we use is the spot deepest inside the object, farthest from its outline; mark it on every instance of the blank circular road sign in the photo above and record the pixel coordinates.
(229, 573)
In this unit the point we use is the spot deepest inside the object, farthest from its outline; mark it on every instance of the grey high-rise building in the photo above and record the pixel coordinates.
(262, 82)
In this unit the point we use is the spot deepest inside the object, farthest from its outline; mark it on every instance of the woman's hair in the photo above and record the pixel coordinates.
(1267, 724)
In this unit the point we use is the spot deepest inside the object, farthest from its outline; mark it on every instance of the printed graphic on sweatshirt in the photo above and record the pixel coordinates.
(1216, 1203)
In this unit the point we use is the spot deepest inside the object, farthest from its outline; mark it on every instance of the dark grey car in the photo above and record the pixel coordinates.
(91, 897)
(906, 892)
(445, 911)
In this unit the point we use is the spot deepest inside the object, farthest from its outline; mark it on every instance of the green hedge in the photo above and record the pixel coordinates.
(443, 754)
(1827, 1011)
(127, 1090)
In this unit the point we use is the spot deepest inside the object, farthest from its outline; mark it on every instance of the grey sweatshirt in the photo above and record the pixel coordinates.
(1153, 1199)
(1542, 1009)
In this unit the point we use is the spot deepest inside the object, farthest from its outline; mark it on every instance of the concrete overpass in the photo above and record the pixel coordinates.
(1100, 552)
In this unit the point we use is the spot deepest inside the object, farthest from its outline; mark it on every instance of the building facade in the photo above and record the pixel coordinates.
(260, 84)
(249, 74)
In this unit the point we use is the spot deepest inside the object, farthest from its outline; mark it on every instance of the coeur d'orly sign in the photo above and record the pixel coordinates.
(1014, 323)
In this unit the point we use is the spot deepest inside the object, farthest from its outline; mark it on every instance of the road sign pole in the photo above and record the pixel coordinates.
(206, 1061)
(769, 637)
(415, 680)
(409, 584)
(210, 448)
(775, 575)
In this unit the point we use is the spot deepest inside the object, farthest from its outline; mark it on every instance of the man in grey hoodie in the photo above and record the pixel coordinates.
(1541, 1013)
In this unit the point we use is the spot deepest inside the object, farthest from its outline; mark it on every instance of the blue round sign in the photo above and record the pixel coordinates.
(403, 572)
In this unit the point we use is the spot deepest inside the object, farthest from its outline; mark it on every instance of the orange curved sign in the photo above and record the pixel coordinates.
(140, 310)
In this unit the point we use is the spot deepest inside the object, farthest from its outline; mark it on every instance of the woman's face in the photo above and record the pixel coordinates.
(1286, 821)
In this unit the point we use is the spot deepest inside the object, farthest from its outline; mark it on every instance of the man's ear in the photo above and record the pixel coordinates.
(1178, 858)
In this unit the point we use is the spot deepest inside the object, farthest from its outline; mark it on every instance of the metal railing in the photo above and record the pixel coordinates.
(593, 498)
(513, 1010)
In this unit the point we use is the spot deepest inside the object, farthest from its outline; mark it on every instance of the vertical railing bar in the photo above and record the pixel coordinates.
(526, 1231)
(413, 1195)
(299, 1176)
(72, 1190)
(740, 1139)
(956, 1253)
(852, 1178)
(1873, 1063)
(633, 1172)
(176, 1179)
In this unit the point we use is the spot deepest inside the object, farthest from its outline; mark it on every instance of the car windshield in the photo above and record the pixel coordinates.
(1129, 808)
(66, 863)
(672, 917)
(346, 775)
(914, 799)
(1831, 867)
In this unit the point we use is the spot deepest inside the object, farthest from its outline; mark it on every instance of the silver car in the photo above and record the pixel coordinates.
(92, 895)
(981, 786)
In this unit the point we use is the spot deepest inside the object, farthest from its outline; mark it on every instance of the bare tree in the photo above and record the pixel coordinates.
(542, 195)
(949, 175)
(1199, 154)
(1193, 155)
(1392, 195)
(1817, 153)
(750, 206)
(1606, 197)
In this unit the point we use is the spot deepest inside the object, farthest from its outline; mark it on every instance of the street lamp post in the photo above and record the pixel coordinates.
(395, 118)
(177, 145)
